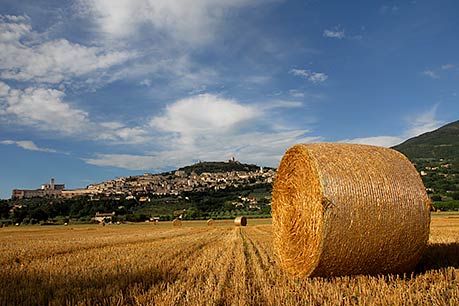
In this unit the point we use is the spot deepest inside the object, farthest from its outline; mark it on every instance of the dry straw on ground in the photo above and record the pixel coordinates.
(210, 222)
(240, 221)
(341, 209)
(176, 222)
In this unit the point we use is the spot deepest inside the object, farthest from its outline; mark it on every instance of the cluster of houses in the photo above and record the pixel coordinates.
(139, 187)
(179, 181)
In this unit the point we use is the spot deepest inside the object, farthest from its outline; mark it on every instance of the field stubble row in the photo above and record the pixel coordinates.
(200, 265)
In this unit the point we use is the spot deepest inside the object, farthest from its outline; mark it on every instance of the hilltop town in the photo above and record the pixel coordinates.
(219, 175)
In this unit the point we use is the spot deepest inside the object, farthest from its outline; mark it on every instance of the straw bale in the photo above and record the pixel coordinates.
(210, 222)
(342, 209)
(177, 222)
(240, 221)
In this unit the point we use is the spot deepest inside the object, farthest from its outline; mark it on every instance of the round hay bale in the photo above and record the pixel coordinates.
(210, 222)
(177, 222)
(240, 221)
(342, 209)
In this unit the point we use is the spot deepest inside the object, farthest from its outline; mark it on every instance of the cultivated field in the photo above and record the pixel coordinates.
(199, 265)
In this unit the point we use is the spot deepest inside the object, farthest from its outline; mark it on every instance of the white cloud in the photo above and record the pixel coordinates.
(193, 22)
(430, 73)
(27, 56)
(440, 71)
(423, 123)
(12, 28)
(447, 66)
(416, 125)
(279, 104)
(296, 93)
(146, 83)
(314, 77)
(300, 72)
(258, 79)
(43, 109)
(46, 110)
(382, 141)
(318, 77)
(119, 134)
(126, 161)
(262, 148)
(210, 127)
(202, 113)
(336, 33)
(26, 145)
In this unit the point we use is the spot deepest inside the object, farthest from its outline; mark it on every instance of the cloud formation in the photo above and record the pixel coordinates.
(31, 57)
(41, 108)
(382, 141)
(125, 161)
(440, 71)
(448, 66)
(334, 33)
(47, 110)
(422, 123)
(313, 77)
(194, 22)
(211, 127)
(430, 73)
(265, 148)
(26, 145)
(202, 113)
(416, 125)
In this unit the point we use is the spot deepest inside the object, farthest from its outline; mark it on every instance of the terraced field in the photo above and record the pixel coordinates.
(199, 265)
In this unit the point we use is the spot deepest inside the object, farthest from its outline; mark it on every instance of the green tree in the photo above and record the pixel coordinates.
(39, 214)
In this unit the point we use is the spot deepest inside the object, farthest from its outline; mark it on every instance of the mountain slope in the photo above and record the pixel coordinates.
(436, 156)
(441, 143)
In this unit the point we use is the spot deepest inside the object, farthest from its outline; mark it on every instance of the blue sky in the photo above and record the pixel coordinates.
(91, 90)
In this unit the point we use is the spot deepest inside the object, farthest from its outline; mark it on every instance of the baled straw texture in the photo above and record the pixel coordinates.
(176, 222)
(240, 221)
(341, 209)
(210, 222)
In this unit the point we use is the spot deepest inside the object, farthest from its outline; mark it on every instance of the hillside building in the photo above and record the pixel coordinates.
(51, 190)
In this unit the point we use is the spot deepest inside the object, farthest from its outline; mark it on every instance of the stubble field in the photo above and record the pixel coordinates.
(199, 265)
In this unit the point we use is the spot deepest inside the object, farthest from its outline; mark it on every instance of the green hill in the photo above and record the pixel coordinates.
(214, 167)
(436, 156)
(441, 143)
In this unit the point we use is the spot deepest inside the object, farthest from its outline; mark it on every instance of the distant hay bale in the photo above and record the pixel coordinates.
(210, 222)
(177, 222)
(342, 209)
(240, 221)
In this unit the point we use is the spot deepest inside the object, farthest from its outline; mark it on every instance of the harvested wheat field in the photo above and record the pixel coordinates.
(199, 265)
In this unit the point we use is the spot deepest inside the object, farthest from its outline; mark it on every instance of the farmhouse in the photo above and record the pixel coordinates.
(103, 217)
